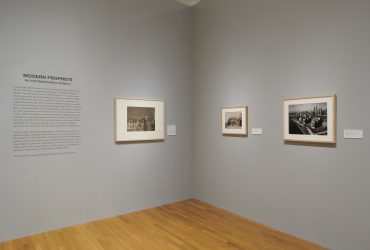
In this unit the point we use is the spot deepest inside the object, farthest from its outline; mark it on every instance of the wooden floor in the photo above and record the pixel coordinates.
(188, 224)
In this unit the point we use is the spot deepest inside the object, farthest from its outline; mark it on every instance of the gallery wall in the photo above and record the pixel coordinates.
(257, 53)
(254, 52)
(125, 48)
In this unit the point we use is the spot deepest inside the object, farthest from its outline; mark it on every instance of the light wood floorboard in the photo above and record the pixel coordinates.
(189, 224)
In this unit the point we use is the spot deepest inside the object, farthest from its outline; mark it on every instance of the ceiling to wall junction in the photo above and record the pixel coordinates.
(188, 2)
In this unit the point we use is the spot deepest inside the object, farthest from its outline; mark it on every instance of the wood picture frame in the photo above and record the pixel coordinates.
(234, 121)
(310, 119)
(139, 120)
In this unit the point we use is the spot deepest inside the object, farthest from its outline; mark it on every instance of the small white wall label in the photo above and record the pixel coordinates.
(353, 134)
(257, 131)
(171, 130)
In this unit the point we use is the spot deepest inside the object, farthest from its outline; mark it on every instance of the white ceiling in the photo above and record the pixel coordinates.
(189, 2)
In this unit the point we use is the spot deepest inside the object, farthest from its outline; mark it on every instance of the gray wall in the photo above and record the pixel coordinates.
(127, 48)
(254, 52)
(258, 52)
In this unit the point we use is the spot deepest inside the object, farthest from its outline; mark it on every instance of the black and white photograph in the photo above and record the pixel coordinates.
(234, 121)
(311, 119)
(139, 120)
(308, 119)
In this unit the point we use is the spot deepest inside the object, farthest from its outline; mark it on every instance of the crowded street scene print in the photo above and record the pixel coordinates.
(140, 119)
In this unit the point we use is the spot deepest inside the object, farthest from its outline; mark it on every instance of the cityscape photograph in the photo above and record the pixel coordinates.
(308, 119)
(140, 119)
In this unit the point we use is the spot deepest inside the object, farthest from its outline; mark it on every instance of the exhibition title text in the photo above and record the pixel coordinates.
(48, 79)
(53, 78)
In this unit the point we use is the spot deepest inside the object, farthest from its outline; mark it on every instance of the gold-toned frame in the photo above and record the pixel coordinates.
(140, 140)
(334, 120)
(244, 134)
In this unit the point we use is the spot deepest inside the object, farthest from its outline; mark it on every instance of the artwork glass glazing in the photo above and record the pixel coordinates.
(310, 119)
(234, 121)
(139, 120)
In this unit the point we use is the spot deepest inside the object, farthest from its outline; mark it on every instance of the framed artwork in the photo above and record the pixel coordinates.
(139, 120)
(311, 119)
(234, 121)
